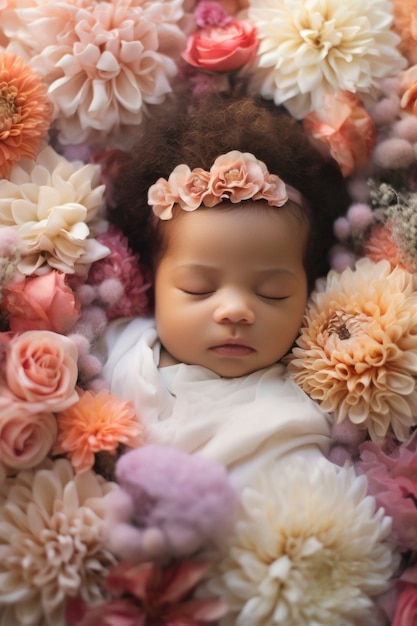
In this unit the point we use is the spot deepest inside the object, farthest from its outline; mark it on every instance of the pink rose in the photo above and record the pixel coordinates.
(406, 610)
(41, 303)
(344, 129)
(222, 48)
(236, 175)
(41, 368)
(25, 438)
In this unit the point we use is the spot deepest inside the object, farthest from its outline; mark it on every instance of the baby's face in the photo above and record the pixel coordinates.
(231, 289)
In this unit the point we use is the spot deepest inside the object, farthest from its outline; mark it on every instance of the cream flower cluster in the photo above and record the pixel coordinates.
(357, 351)
(104, 62)
(54, 206)
(51, 543)
(308, 548)
(308, 49)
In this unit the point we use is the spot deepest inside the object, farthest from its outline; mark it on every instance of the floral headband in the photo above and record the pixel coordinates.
(234, 176)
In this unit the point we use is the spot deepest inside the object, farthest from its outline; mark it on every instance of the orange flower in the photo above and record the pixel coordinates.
(97, 422)
(344, 129)
(25, 112)
(408, 89)
(381, 245)
(405, 20)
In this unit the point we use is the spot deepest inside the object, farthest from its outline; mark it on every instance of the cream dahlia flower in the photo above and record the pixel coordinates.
(308, 49)
(104, 62)
(357, 351)
(308, 548)
(51, 543)
(54, 205)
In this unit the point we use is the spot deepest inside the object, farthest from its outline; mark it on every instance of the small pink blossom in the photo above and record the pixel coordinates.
(392, 479)
(210, 13)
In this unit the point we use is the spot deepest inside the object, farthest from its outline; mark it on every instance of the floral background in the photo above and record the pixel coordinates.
(80, 542)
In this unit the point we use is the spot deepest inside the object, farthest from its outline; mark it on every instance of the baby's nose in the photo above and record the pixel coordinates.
(235, 308)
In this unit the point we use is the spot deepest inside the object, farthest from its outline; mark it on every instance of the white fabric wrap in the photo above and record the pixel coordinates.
(241, 422)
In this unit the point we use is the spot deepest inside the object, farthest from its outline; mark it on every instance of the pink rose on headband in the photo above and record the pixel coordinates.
(41, 368)
(241, 176)
(344, 129)
(41, 303)
(25, 438)
(222, 48)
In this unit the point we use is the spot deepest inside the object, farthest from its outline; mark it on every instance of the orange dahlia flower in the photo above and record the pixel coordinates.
(97, 422)
(25, 112)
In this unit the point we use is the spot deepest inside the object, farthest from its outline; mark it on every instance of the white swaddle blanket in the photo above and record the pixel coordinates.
(241, 422)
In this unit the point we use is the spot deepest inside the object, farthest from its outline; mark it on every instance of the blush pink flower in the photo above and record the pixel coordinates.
(25, 438)
(43, 302)
(105, 63)
(152, 594)
(382, 245)
(222, 48)
(96, 423)
(357, 351)
(406, 609)
(392, 480)
(25, 112)
(344, 128)
(41, 368)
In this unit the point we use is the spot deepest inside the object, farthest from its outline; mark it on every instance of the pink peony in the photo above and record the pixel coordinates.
(25, 439)
(222, 48)
(40, 303)
(392, 479)
(41, 368)
(344, 129)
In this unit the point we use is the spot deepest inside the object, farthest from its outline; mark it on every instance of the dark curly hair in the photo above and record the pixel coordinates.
(196, 132)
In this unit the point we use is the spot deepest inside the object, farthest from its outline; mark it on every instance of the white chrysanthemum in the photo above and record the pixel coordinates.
(104, 62)
(308, 549)
(308, 49)
(54, 205)
(51, 543)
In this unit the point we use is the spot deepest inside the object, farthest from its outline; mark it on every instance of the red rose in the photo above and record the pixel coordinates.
(222, 48)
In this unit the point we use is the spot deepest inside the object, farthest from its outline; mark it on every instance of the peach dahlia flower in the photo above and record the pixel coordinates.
(51, 543)
(104, 62)
(25, 112)
(357, 352)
